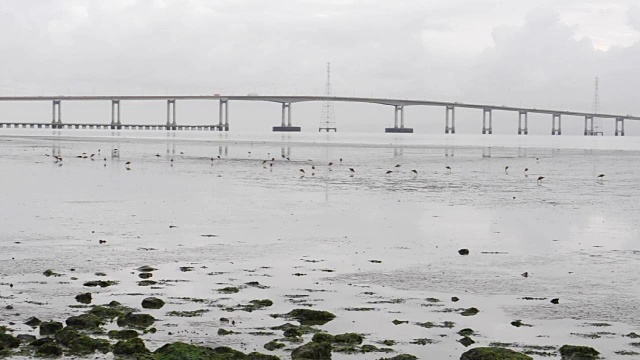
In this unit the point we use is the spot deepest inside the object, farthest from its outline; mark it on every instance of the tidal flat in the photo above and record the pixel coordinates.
(236, 245)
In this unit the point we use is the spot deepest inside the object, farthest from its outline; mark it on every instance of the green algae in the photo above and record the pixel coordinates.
(578, 352)
(192, 313)
(135, 320)
(312, 350)
(100, 283)
(229, 290)
(274, 345)
(152, 303)
(309, 317)
(470, 312)
(493, 353)
(50, 327)
(130, 347)
(122, 334)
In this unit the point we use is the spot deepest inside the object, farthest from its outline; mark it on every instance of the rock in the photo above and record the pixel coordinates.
(82, 345)
(84, 321)
(50, 272)
(136, 320)
(146, 268)
(322, 337)
(463, 251)
(570, 352)
(84, 298)
(229, 290)
(223, 332)
(470, 312)
(310, 317)
(100, 283)
(632, 335)
(8, 341)
(152, 303)
(102, 345)
(49, 350)
(292, 333)
(145, 275)
(50, 327)
(274, 345)
(401, 357)
(180, 350)
(33, 322)
(398, 322)
(42, 341)
(26, 338)
(312, 350)
(493, 353)
(133, 346)
(466, 332)
(348, 338)
(455, 299)
(122, 334)
(466, 341)
(147, 283)
(9, 307)
(109, 312)
(555, 301)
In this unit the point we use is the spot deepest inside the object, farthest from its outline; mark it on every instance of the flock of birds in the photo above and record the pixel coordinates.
(414, 172)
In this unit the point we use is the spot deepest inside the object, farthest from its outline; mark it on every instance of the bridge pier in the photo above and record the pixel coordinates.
(398, 109)
(224, 111)
(619, 127)
(556, 120)
(450, 127)
(485, 129)
(286, 113)
(56, 121)
(171, 114)
(588, 125)
(523, 119)
(115, 115)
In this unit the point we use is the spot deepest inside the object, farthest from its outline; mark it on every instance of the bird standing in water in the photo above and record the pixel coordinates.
(127, 165)
(389, 172)
(415, 172)
(601, 177)
(540, 178)
(525, 172)
(448, 168)
(506, 169)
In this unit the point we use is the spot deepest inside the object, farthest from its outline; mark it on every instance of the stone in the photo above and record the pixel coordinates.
(570, 352)
(152, 303)
(312, 351)
(33, 322)
(310, 317)
(84, 298)
(50, 327)
(463, 251)
(493, 353)
(84, 321)
(133, 346)
(49, 350)
(135, 320)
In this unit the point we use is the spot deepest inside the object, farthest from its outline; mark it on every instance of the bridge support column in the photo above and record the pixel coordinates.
(523, 123)
(286, 114)
(115, 115)
(619, 127)
(224, 114)
(486, 115)
(450, 126)
(56, 121)
(588, 126)
(398, 112)
(171, 114)
(556, 124)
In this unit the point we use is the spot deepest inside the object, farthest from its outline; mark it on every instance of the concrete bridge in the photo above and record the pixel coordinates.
(287, 105)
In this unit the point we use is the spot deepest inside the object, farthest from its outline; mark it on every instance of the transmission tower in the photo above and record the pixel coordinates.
(597, 126)
(328, 120)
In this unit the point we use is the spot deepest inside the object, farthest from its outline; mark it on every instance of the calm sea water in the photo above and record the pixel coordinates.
(576, 236)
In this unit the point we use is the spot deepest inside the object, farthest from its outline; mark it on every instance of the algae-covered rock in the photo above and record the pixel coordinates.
(147, 283)
(66, 335)
(136, 320)
(258, 356)
(274, 345)
(146, 268)
(122, 334)
(146, 275)
(229, 290)
(224, 332)
(573, 352)
(82, 345)
(470, 312)
(466, 332)
(8, 341)
(310, 317)
(180, 351)
(33, 322)
(109, 312)
(348, 338)
(50, 272)
(26, 338)
(49, 350)
(100, 283)
(312, 350)
(493, 353)
(50, 327)
(133, 346)
(401, 357)
(84, 321)
(466, 341)
(84, 298)
(42, 341)
(152, 303)
(102, 345)
(322, 337)
(292, 333)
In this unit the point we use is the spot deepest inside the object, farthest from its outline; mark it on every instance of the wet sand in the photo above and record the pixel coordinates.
(310, 239)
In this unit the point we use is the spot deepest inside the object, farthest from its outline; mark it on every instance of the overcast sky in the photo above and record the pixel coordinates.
(542, 53)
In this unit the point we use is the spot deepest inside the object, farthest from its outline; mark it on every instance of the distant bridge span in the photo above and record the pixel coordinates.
(287, 102)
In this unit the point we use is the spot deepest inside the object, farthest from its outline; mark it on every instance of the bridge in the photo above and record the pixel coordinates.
(288, 101)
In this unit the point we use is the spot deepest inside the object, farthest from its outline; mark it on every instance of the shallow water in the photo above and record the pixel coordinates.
(575, 236)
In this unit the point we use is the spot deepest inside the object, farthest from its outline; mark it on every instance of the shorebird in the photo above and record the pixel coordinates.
(340, 160)
(389, 172)
(91, 157)
(352, 170)
(540, 178)
(288, 159)
(398, 165)
(313, 167)
(282, 156)
(525, 172)
(448, 168)
(263, 161)
(157, 155)
(601, 176)
(218, 156)
(127, 165)
(415, 172)
(302, 171)
(506, 169)
(330, 164)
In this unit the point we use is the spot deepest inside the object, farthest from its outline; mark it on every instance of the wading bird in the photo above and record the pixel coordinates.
(157, 155)
(127, 165)
(352, 170)
(330, 164)
(302, 171)
(601, 176)
(389, 172)
(263, 161)
(398, 165)
(506, 169)
(540, 178)
(525, 172)
(415, 172)
(313, 167)
(448, 168)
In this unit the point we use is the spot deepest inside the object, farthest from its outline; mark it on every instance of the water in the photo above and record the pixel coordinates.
(574, 235)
